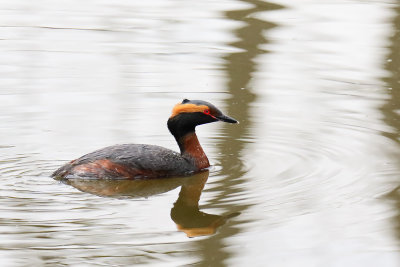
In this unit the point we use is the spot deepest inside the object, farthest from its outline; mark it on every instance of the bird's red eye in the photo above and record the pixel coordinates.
(206, 111)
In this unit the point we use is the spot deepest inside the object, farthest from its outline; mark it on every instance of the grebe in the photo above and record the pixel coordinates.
(130, 161)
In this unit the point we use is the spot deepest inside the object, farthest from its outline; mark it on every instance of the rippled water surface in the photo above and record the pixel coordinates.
(310, 176)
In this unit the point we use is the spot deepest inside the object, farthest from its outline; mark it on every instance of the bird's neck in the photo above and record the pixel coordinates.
(185, 135)
(191, 149)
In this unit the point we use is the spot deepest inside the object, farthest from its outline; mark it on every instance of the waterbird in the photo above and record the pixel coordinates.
(141, 161)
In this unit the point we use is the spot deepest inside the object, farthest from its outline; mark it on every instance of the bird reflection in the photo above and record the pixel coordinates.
(185, 213)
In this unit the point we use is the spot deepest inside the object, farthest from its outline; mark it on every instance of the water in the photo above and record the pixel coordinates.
(308, 178)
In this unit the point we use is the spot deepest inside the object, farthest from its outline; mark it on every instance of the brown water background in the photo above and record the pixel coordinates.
(310, 176)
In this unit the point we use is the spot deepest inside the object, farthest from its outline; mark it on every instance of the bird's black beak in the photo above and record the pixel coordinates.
(225, 118)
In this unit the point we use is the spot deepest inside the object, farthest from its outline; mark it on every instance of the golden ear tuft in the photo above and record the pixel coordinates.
(187, 108)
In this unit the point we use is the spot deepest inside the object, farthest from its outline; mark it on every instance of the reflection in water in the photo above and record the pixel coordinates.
(185, 213)
(392, 106)
(239, 67)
